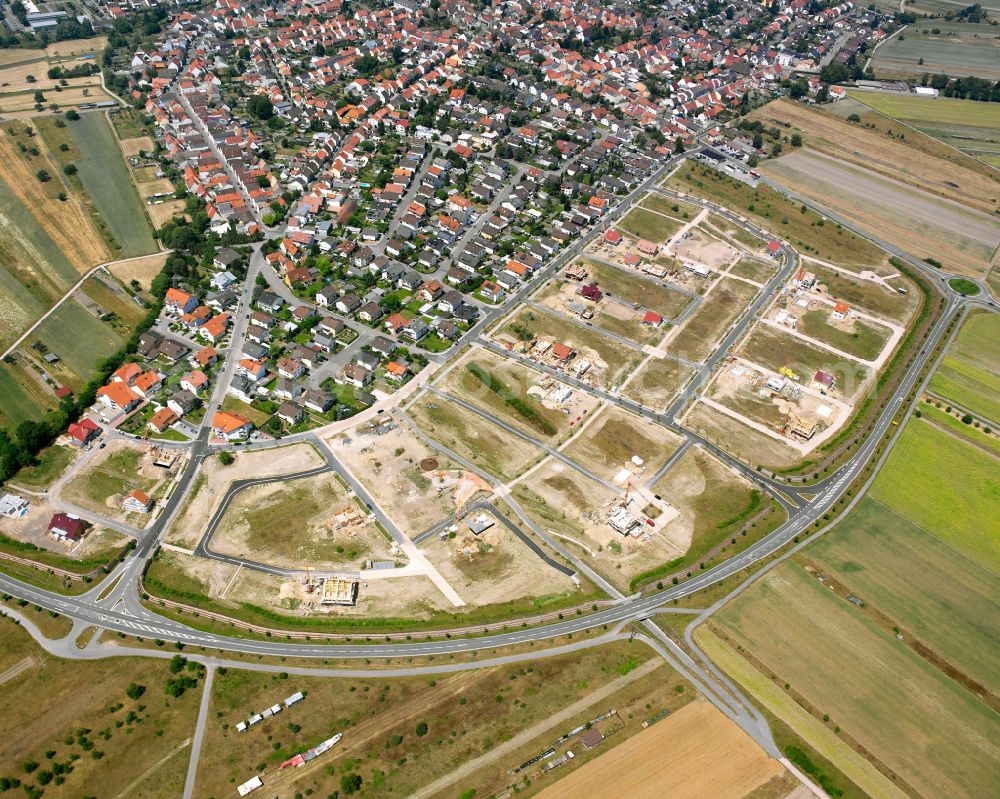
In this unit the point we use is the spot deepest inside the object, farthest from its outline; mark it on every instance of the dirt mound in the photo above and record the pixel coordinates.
(428, 464)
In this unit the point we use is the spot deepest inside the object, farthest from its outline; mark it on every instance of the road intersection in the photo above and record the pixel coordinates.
(116, 605)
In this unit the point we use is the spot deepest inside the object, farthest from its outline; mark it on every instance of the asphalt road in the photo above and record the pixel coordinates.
(122, 611)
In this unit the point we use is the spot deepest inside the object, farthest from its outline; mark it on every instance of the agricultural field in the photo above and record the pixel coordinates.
(78, 338)
(395, 729)
(106, 177)
(719, 308)
(611, 361)
(927, 587)
(876, 143)
(969, 375)
(497, 452)
(806, 231)
(947, 487)
(650, 225)
(609, 442)
(25, 394)
(256, 526)
(924, 728)
(939, 46)
(925, 225)
(142, 270)
(82, 731)
(967, 125)
(657, 382)
(695, 752)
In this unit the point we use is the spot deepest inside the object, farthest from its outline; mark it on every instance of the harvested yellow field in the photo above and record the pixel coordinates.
(157, 186)
(137, 145)
(66, 222)
(143, 269)
(27, 76)
(73, 47)
(696, 752)
(23, 102)
(161, 213)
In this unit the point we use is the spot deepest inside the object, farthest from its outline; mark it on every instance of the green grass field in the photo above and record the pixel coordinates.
(970, 373)
(922, 725)
(948, 488)
(80, 340)
(52, 462)
(944, 110)
(953, 423)
(24, 398)
(866, 342)
(105, 175)
(646, 224)
(923, 584)
(868, 295)
(105, 292)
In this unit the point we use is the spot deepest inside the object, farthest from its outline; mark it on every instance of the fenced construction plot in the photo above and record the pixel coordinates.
(106, 178)
(939, 46)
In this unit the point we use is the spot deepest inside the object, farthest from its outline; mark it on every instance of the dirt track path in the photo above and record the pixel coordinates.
(528, 735)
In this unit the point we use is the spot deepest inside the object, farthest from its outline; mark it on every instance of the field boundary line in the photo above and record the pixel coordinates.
(71, 291)
(906, 124)
(528, 735)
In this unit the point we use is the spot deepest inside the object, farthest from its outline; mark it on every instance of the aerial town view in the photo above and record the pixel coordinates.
(470, 399)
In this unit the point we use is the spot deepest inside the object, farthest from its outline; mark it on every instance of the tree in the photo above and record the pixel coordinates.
(967, 419)
(226, 458)
(422, 728)
(177, 664)
(796, 140)
(261, 107)
(678, 145)
(43, 176)
(350, 783)
(69, 169)
(72, 115)
(135, 690)
(39, 97)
